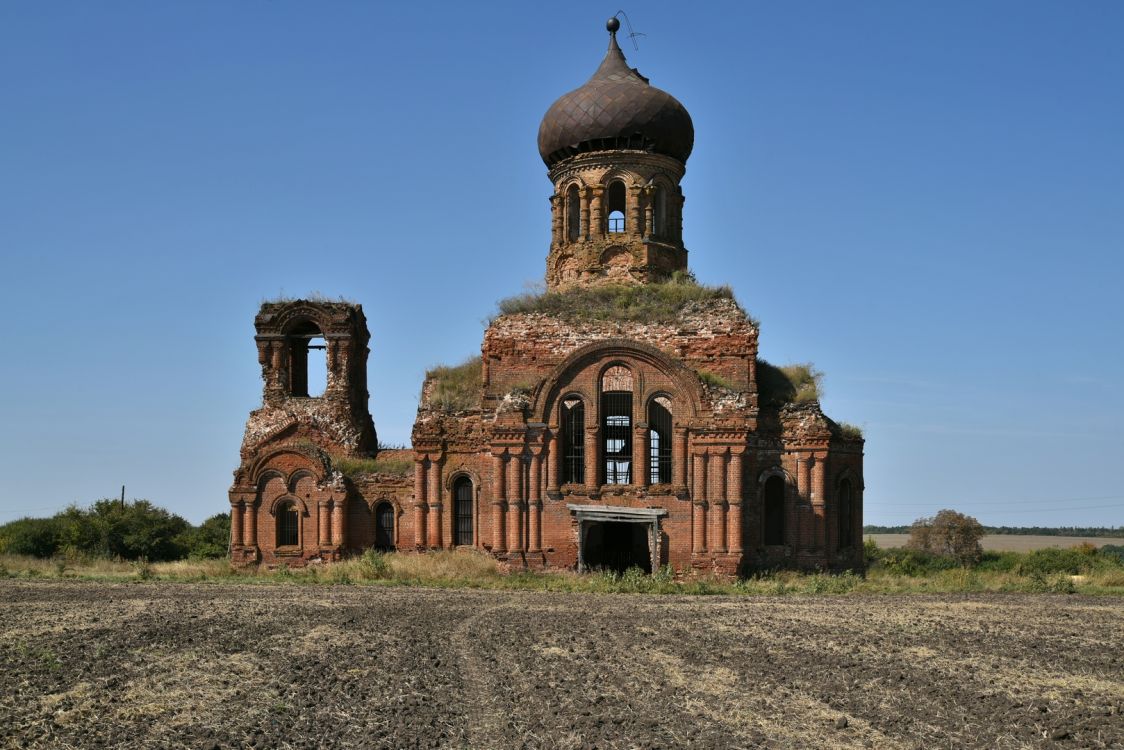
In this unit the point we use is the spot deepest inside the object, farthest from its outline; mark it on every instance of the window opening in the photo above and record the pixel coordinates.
(573, 213)
(774, 511)
(288, 526)
(659, 440)
(384, 526)
(573, 441)
(660, 218)
(616, 426)
(616, 207)
(846, 538)
(462, 508)
(308, 361)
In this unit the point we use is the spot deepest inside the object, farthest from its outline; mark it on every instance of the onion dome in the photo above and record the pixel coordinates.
(616, 109)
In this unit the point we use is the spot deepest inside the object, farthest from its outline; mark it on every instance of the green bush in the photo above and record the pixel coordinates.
(1000, 562)
(1055, 560)
(914, 562)
(1114, 553)
(209, 540)
(38, 537)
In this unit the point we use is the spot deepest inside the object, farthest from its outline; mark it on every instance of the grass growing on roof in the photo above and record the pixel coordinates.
(642, 303)
(456, 388)
(850, 431)
(790, 384)
(352, 466)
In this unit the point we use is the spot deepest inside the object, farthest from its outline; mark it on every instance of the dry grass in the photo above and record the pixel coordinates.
(788, 384)
(473, 569)
(646, 303)
(454, 388)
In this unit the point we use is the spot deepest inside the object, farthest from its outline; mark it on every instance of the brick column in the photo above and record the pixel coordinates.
(341, 504)
(419, 479)
(421, 512)
(515, 504)
(556, 203)
(323, 524)
(236, 512)
(818, 506)
(596, 214)
(698, 490)
(634, 225)
(499, 542)
(586, 195)
(433, 525)
(734, 495)
(552, 462)
(649, 218)
(640, 470)
(679, 457)
(250, 526)
(698, 525)
(717, 532)
(337, 523)
(592, 465)
(534, 507)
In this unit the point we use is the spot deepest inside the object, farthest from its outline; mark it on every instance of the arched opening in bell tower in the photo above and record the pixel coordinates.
(308, 360)
(573, 213)
(615, 207)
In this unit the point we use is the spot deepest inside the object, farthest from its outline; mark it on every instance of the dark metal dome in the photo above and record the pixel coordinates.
(616, 108)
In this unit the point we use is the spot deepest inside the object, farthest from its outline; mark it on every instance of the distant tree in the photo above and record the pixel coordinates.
(949, 534)
(38, 537)
(210, 539)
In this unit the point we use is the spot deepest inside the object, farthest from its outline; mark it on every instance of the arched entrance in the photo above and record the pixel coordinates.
(384, 526)
(462, 512)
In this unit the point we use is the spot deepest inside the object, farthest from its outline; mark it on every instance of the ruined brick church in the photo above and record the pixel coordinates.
(588, 434)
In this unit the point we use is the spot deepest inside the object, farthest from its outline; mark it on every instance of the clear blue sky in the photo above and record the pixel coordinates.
(924, 199)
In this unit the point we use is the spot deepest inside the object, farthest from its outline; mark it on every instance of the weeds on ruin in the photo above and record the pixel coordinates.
(714, 380)
(643, 303)
(789, 384)
(454, 388)
(849, 431)
(352, 466)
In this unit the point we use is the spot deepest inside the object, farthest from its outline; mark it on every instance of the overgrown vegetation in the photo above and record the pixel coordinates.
(137, 530)
(456, 388)
(790, 384)
(714, 380)
(901, 570)
(850, 431)
(948, 534)
(353, 466)
(641, 303)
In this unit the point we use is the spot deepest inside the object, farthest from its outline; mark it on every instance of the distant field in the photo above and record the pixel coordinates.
(1008, 542)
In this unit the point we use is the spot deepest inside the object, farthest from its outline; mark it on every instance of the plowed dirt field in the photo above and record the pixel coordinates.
(155, 665)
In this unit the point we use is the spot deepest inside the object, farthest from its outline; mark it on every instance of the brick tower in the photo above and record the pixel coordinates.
(616, 148)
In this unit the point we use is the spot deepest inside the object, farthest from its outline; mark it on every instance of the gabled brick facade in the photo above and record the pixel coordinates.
(586, 442)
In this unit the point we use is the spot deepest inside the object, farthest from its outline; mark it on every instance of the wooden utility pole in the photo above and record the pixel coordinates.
(122, 497)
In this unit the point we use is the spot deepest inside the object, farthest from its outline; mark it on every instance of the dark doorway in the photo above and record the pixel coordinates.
(462, 508)
(774, 511)
(617, 546)
(384, 526)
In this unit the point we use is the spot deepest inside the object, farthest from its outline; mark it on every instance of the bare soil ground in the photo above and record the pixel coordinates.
(1009, 542)
(147, 665)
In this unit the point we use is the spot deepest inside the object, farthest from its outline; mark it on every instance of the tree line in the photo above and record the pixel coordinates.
(137, 530)
(1090, 531)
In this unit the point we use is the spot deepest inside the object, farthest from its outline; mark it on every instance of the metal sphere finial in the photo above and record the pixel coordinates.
(613, 24)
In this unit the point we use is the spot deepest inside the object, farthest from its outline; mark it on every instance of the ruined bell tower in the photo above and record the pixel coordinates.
(616, 149)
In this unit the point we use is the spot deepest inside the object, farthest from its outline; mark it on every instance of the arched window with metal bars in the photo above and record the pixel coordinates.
(288, 525)
(573, 441)
(616, 425)
(659, 440)
(384, 526)
(462, 512)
